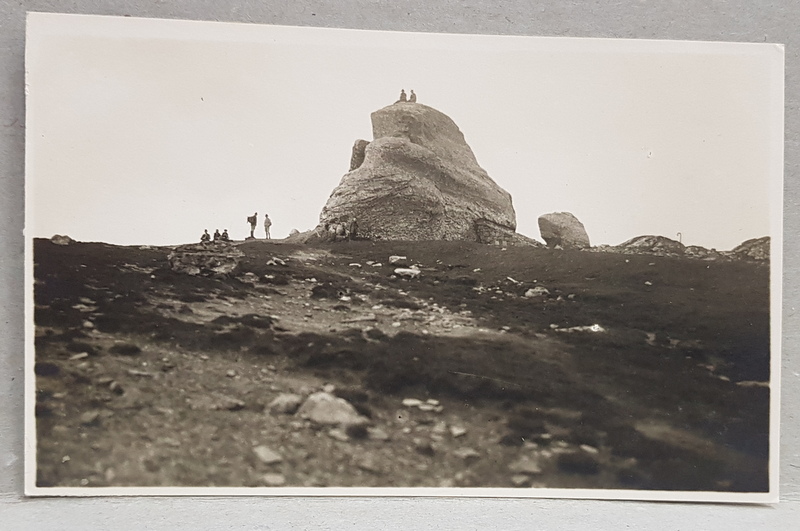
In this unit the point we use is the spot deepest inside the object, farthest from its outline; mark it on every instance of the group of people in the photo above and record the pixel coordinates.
(223, 237)
(403, 98)
(339, 231)
(253, 221)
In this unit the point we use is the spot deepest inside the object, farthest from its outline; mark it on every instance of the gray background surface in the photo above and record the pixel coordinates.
(719, 20)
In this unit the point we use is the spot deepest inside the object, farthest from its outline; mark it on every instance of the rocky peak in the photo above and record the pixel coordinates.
(419, 180)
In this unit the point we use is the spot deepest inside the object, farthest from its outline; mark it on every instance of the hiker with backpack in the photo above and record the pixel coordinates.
(252, 220)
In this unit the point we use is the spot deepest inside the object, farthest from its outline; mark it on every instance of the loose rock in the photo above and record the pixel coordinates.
(285, 404)
(326, 409)
(267, 455)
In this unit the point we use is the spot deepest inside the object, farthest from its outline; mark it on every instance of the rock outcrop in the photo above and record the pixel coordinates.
(563, 229)
(419, 180)
(657, 245)
(61, 239)
(206, 260)
(755, 249)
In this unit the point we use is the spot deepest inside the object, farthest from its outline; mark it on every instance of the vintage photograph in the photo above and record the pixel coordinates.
(288, 260)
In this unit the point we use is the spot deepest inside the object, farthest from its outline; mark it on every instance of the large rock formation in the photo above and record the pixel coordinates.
(564, 230)
(419, 180)
(755, 249)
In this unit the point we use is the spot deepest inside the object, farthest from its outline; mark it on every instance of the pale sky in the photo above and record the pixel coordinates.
(149, 131)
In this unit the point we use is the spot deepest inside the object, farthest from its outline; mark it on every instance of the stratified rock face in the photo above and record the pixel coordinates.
(563, 229)
(357, 158)
(755, 249)
(419, 180)
(206, 260)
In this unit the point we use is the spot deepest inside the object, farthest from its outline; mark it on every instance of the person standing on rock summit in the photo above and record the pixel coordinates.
(402, 96)
(413, 97)
(267, 224)
(252, 220)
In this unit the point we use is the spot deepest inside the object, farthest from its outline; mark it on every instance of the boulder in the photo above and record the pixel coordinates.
(205, 260)
(59, 239)
(418, 180)
(326, 409)
(564, 230)
(755, 249)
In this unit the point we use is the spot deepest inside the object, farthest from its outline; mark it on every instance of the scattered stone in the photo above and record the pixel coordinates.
(88, 325)
(228, 403)
(397, 324)
(752, 383)
(457, 431)
(79, 356)
(135, 372)
(525, 465)
(231, 373)
(276, 261)
(407, 272)
(412, 402)
(355, 264)
(273, 480)
(361, 318)
(377, 434)
(399, 261)
(338, 434)
(591, 328)
(326, 409)
(538, 291)
(266, 455)
(285, 404)
(90, 418)
(589, 449)
(432, 401)
(368, 463)
(520, 480)
(466, 454)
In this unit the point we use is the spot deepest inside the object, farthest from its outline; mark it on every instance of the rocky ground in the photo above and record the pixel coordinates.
(319, 366)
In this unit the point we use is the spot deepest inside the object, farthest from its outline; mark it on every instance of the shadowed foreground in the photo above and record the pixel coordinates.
(148, 377)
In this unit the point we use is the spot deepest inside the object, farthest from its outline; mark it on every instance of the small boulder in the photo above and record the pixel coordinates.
(60, 239)
(285, 404)
(538, 291)
(563, 229)
(267, 455)
(407, 272)
(326, 409)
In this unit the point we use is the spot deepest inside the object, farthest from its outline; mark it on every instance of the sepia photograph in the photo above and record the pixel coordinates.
(272, 260)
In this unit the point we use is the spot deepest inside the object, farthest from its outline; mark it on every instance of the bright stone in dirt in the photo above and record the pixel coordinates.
(273, 480)
(525, 465)
(324, 408)
(538, 291)
(266, 455)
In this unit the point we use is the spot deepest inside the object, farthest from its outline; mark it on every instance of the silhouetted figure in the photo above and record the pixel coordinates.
(252, 220)
(413, 97)
(267, 224)
(217, 235)
(403, 97)
(206, 237)
(225, 237)
(352, 229)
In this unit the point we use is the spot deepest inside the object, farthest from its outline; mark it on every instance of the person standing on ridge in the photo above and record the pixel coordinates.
(252, 220)
(267, 224)
(413, 97)
(402, 96)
